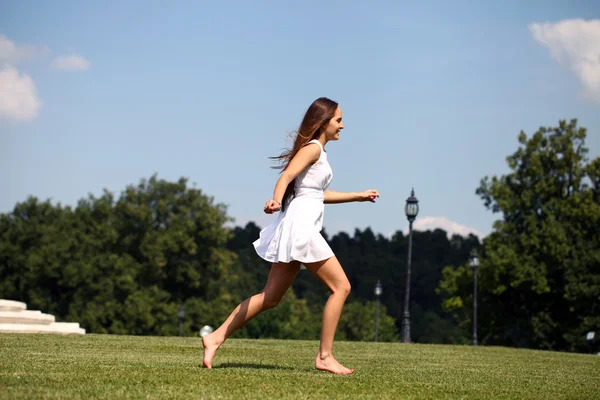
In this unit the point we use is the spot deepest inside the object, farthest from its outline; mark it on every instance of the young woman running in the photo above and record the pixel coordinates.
(294, 240)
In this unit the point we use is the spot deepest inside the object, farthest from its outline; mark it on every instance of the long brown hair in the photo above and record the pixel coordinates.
(317, 117)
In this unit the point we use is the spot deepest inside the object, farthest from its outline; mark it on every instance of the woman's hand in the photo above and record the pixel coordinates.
(369, 195)
(272, 206)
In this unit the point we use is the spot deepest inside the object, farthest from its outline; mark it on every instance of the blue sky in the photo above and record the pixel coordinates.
(433, 94)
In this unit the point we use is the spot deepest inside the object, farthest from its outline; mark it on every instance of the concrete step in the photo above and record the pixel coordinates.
(15, 318)
(66, 328)
(26, 317)
(11, 305)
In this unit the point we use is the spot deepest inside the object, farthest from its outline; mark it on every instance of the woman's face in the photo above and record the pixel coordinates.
(332, 130)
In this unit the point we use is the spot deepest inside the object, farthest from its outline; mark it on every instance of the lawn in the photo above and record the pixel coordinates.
(114, 367)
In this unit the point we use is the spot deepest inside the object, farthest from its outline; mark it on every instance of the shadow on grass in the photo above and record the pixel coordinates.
(251, 365)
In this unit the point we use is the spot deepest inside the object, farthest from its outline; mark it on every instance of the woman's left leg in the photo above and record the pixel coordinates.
(280, 278)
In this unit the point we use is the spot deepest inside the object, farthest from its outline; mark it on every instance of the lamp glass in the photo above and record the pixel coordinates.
(474, 260)
(411, 209)
(378, 289)
(206, 329)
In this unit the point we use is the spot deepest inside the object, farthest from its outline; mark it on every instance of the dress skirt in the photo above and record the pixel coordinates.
(296, 234)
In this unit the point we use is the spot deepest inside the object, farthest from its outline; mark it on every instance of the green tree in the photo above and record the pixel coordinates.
(124, 263)
(540, 273)
(358, 323)
(122, 266)
(291, 319)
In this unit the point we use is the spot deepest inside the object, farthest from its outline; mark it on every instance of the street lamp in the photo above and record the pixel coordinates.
(206, 329)
(181, 315)
(378, 291)
(411, 210)
(590, 339)
(474, 262)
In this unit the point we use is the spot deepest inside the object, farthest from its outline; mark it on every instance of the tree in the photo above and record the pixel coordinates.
(540, 273)
(122, 266)
(124, 263)
(291, 319)
(357, 323)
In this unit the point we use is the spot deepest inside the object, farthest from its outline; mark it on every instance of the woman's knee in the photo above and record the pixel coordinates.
(343, 288)
(270, 300)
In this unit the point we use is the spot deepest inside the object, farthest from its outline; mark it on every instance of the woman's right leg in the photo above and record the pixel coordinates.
(330, 272)
(281, 277)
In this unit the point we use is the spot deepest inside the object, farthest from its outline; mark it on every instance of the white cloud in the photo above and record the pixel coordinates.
(12, 53)
(72, 62)
(451, 227)
(18, 95)
(575, 44)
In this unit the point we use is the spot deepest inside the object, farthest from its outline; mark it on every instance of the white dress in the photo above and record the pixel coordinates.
(295, 235)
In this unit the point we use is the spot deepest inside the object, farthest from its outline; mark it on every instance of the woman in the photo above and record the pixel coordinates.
(294, 239)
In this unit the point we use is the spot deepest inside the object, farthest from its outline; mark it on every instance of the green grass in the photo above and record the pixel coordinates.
(113, 367)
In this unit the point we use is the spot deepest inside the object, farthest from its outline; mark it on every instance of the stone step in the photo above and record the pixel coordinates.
(66, 328)
(26, 317)
(15, 318)
(11, 305)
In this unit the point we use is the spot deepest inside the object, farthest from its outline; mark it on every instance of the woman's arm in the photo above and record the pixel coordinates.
(306, 156)
(332, 197)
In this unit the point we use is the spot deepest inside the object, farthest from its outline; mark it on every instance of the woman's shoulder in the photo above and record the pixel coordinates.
(310, 151)
(317, 149)
(316, 144)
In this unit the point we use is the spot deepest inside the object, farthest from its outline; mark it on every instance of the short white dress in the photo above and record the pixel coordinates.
(296, 234)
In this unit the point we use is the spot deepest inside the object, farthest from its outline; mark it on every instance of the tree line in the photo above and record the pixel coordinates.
(124, 265)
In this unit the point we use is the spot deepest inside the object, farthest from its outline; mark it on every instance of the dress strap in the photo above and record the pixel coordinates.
(317, 142)
(320, 146)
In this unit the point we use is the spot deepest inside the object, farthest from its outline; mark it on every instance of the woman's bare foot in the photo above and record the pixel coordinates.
(328, 363)
(210, 349)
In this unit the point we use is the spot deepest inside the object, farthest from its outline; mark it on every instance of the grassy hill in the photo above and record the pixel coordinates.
(112, 367)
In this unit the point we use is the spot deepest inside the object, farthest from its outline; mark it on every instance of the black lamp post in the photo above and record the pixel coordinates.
(181, 315)
(411, 210)
(590, 338)
(474, 262)
(378, 291)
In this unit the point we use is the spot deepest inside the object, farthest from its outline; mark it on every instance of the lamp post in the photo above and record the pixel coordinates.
(378, 291)
(474, 262)
(181, 315)
(411, 210)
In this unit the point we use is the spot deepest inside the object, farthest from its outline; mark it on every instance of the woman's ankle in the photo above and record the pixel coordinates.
(214, 338)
